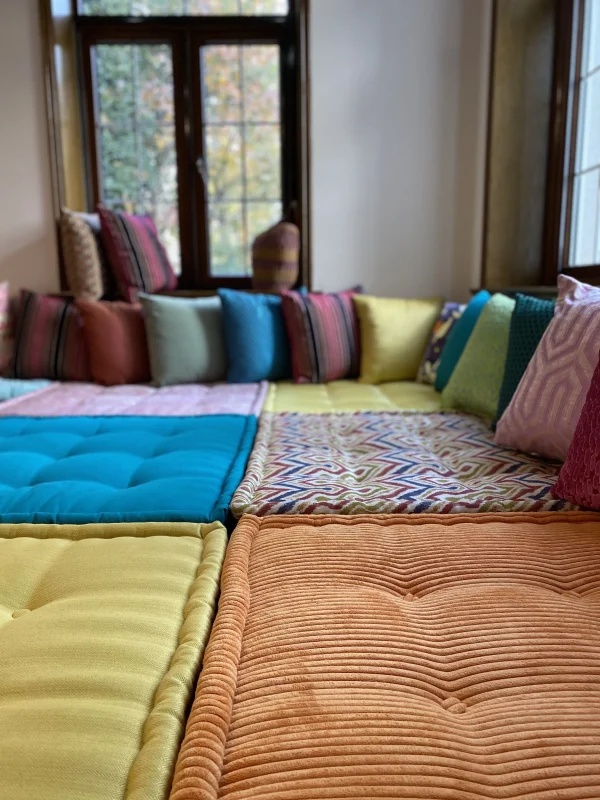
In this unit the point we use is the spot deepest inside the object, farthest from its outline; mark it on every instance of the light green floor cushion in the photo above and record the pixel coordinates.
(102, 633)
(476, 382)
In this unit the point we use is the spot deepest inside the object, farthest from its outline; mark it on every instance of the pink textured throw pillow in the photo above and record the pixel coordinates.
(542, 416)
(579, 478)
(323, 334)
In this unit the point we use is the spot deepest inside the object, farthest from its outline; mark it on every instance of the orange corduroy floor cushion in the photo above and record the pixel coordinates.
(402, 657)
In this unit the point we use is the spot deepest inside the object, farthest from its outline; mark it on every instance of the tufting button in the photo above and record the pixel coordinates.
(454, 705)
(409, 597)
(20, 612)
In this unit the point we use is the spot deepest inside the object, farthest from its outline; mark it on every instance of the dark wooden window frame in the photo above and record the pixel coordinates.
(186, 35)
(569, 30)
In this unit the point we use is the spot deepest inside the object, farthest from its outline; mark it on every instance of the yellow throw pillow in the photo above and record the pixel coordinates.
(393, 336)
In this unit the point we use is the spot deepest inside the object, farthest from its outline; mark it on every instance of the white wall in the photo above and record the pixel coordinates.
(399, 109)
(27, 235)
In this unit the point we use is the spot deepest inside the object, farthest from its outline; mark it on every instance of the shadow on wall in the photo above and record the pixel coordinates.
(30, 264)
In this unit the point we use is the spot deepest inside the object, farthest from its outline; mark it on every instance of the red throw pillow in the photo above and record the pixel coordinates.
(137, 258)
(324, 336)
(579, 479)
(49, 340)
(116, 340)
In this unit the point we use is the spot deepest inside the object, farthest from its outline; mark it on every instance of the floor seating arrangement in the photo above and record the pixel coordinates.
(121, 469)
(388, 462)
(402, 656)
(409, 599)
(102, 633)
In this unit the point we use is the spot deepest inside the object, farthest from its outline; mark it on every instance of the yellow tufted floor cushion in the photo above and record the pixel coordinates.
(102, 631)
(348, 396)
(421, 657)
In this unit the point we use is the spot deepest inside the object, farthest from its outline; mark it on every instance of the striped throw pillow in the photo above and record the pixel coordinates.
(323, 334)
(137, 258)
(49, 340)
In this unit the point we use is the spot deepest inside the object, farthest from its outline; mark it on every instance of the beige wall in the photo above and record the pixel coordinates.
(399, 110)
(27, 237)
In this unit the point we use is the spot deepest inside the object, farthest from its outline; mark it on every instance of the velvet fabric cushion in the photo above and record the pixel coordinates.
(137, 258)
(275, 256)
(115, 335)
(257, 343)
(49, 341)
(449, 316)
(543, 414)
(579, 479)
(10, 388)
(528, 324)
(323, 335)
(185, 339)
(458, 338)
(393, 335)
(475, 384)
(81, 254)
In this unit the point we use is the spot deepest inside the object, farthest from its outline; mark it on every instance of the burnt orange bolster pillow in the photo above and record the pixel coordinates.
(115, 336)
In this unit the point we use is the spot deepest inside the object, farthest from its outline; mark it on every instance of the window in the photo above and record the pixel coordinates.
(194, 115)
(573, 207)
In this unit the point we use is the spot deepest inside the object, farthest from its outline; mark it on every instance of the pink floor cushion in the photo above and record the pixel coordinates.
(186, 400)
(544, 411)
(579, 479)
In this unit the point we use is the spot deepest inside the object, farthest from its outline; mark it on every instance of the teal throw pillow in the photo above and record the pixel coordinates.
(458, 338)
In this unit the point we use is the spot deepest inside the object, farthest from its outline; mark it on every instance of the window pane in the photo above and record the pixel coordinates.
(263, 162)
(584, 227)
(589, 123)
(224, 158)
(136, 135)
(261, 84)
(591, 51)
(145, 8)
(226, 230)
(241, 85)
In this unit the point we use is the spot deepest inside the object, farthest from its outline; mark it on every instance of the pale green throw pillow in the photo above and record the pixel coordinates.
(185, 336)
(476, 382)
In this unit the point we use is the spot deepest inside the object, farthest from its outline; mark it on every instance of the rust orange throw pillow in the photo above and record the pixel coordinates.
(116, 340)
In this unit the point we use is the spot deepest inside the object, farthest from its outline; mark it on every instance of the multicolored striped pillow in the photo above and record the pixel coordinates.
(137, 258)
(49, 340)
(6, 340)
(324, 336)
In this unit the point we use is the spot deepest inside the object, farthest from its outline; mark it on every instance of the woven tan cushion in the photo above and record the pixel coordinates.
(81, 254)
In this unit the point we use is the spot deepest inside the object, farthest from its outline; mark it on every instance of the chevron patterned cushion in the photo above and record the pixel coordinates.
(579, 479)
(387, 463)
(543, 414)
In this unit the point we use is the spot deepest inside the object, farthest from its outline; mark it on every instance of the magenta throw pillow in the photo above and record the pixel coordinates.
(579, 478)
(543, 413)
(49, 341)
(324, 336)
(136, 256)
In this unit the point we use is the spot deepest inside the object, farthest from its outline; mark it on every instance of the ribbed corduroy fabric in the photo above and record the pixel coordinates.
(442, 658)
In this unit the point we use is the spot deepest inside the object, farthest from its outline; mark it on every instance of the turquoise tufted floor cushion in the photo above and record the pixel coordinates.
(121, 469)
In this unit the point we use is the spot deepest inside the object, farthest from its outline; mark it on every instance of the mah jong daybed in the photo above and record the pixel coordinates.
(437, 657)
(102, 632)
